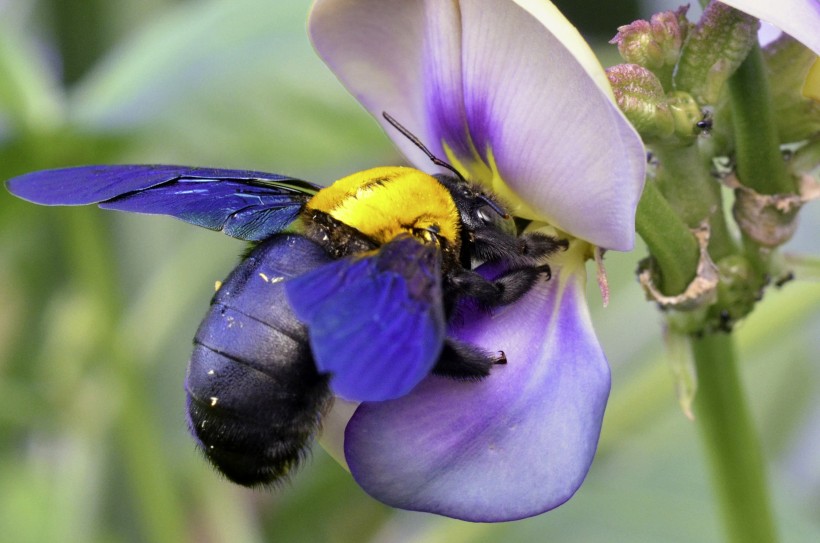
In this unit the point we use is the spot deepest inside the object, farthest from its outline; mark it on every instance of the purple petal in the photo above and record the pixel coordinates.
(798, 18)
(495, 84)
(511, 446)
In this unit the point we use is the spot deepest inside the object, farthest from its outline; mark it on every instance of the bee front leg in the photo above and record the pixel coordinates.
(503, 290)
(491, 245)
(460, 360)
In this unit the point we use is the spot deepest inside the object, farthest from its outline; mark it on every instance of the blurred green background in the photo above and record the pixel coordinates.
(97, 309)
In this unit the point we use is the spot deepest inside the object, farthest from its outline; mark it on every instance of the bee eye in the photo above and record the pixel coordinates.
(492, 216)
(486, 214)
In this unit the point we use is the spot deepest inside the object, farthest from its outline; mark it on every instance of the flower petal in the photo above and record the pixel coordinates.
(514, 445)
(506, 90)
(798, 18)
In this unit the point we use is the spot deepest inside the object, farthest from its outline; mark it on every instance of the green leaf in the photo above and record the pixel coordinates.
(237, 83)
(30, 96)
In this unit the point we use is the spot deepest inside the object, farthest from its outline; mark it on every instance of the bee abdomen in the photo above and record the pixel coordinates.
(253, 427)
(255, 398)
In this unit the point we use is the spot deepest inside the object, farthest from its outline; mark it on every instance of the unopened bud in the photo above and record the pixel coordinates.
(794, 77)
(717, 45)
(654, 44)
(686, 114)
(640, 96)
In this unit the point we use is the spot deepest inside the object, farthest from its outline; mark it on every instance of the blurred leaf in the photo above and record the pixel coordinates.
(236, 82)
(29, 95)
(185, 52)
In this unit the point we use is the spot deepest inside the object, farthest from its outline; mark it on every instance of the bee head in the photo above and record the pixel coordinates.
(478, 210)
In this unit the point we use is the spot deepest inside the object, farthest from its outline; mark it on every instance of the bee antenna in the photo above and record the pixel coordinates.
(417, 142)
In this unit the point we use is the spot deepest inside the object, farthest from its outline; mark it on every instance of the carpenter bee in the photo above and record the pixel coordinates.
(345, 291)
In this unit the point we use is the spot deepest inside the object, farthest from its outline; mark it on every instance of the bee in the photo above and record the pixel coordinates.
(345, 291)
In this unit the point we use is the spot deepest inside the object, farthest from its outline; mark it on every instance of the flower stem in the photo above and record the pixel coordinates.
(738, 470)
(759, 163)
(670, 241)
(687, 183)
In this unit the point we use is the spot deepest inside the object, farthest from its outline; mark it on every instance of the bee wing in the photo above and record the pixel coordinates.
(376, 323)
(244, 204)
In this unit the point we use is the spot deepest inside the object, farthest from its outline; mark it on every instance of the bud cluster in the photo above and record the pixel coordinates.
(683, 67)
(674, 86)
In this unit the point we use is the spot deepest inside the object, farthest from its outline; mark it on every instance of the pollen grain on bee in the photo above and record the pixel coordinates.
(271, 280)
(217, 286)
(211, 372)
(214, 399)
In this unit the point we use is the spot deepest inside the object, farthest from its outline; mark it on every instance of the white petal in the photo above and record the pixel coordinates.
(798, 18)
(504, 90)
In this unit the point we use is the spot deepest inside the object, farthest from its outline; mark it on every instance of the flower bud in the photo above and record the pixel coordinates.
(795, 85)
(718, 44)
(654, 44)
(640, 96)
(686, 114)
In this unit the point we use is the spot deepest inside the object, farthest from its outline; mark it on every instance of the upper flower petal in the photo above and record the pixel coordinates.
(798, 18)
(508, 91)
(511, 446)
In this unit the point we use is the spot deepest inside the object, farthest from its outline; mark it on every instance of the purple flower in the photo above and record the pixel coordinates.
(511, 95)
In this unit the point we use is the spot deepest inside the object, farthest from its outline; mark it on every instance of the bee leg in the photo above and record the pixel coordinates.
(536, 245)
(460, 360)
(503, 290)
(492, 245)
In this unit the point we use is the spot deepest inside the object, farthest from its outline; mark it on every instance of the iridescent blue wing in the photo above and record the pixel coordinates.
(244, 204)
(376, 323)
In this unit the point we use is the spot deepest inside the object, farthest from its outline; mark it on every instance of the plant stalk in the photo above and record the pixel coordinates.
(670, 241)
(731, 442)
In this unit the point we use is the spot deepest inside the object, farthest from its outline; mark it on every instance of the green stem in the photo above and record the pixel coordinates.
(738, 470)
(670, 241)
(686, 181)
(760, 165)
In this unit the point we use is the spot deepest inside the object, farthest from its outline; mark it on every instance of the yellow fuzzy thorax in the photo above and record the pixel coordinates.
(385, 202)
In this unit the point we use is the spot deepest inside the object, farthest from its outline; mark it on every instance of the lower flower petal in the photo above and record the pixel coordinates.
(511, 446)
